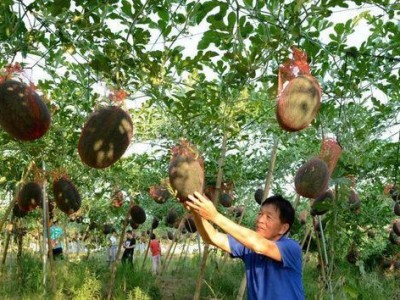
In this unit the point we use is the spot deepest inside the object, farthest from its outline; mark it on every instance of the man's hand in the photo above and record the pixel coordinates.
(202, 206)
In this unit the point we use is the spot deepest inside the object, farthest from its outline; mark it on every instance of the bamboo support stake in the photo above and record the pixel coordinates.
(175, 240)
(267, 187)
(147, 250)
(203, 264)
(186, 254)
(121, 240)
(6, 245)
(180, 256)
(170, 258)
(19, 255)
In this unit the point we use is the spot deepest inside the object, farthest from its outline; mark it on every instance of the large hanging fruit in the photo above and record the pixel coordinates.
(138, 214)
(299, 102)
(105, 137)
(66, 195)
(322, 203)
(186, 171)
(23, 114)
(312, 178)
(30, 196)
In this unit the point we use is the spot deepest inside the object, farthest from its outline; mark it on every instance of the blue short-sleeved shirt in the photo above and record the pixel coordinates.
(270, 279)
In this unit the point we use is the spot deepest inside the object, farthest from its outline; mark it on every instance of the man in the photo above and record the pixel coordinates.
(272, 261)
(56, 234)
(129, 248)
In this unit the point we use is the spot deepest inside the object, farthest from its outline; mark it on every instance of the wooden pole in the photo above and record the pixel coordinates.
(147, 250)
(267, 187)
(6, 245)
(221, 162)
(170, 258)
(121, 240)
(14, 200)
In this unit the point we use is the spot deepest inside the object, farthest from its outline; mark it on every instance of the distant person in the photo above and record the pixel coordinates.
(129, 246)
(155, 249)
(272, 260)
(56, 234)
(112, 247)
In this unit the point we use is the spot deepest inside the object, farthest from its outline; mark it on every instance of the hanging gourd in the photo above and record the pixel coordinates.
(312, 178)
(23, 113)
(66, 195)
(330, 153)
(30, 196)
(299, 101)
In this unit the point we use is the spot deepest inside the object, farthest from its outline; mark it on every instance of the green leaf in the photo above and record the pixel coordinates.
(127, 8)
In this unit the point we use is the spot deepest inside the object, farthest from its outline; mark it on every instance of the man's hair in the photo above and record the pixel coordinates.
(152, 236)
(286, 210)
(129, 231)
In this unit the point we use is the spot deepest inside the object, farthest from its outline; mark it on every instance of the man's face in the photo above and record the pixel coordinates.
(268, 223)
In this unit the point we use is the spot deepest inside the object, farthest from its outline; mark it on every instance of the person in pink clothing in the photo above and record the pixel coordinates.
(155, 249)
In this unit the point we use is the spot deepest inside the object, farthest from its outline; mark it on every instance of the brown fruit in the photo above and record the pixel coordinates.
(159, 193)
(298, 103)
(396, 209)
(186, 171)
(393, 238)
(353, 255)
(394, 193)
(321, 204)
(190, 226)
(105, 137)
(354, 200)
(66, 195)
(23, 114)
(170, 235)
(17, 212)
(30, 196)
(396, 228)
(171, 217)
(155, 223)
(226, 200)
(258, 196)
(138, 214)
(312, 178)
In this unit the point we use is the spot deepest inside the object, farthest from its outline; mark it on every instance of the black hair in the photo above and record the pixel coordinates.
(129, 231)
(152, 236)
(286, 210)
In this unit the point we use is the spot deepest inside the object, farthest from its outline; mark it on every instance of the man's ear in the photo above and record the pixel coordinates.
(284, 228)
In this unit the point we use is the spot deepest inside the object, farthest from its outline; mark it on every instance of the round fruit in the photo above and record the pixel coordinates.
(138, 214)
(312, 178)
(171, 217)
(190, 225)
(298, 103)
(66, 195)
(30, 196)
(186, 171)
(17, 212)
(105, 137)
(258, 196)
(396, 209)
(225, 200)
(396, 227)
(155, 223)
(23, 114)
(170, 235)
(321, 204)
(354, 200)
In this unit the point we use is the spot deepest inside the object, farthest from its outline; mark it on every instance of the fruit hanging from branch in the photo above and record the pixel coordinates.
(66, 195)
(186, 171)
(330, 153)
(23, 113)
(312, 178)
(299, 101)
(30, 196)
(138, 215)
(105, 137)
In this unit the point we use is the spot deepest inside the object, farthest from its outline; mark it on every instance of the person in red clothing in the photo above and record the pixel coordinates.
(155, 249)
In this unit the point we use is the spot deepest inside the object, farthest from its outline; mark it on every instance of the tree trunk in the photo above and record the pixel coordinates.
(267, 187)
(221, 161)
(121, 240)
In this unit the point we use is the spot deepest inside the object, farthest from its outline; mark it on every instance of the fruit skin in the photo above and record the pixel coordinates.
(226, 200)
(396, 209)
(396, 228)
(66, 195)
(296, 98)
(17, 212)
(170, 235)
(312, 178)
(186, 171)
(159, 193)
(23, 113)
(354, 200)
(155, 223)
(394, 193)
(323, 199)
(258, 196)
(105, 137)
(190, 225)
(30, 196)
(138, 214)
(171, 217)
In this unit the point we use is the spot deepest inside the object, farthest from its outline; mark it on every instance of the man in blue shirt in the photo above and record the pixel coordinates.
(56, 234)
(272, 261)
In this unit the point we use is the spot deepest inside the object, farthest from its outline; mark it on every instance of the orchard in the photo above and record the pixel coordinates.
(113, 113)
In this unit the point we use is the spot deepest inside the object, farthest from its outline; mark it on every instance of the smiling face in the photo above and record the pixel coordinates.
(268, 223)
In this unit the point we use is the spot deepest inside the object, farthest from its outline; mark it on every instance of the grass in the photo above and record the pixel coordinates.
(81, 280)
